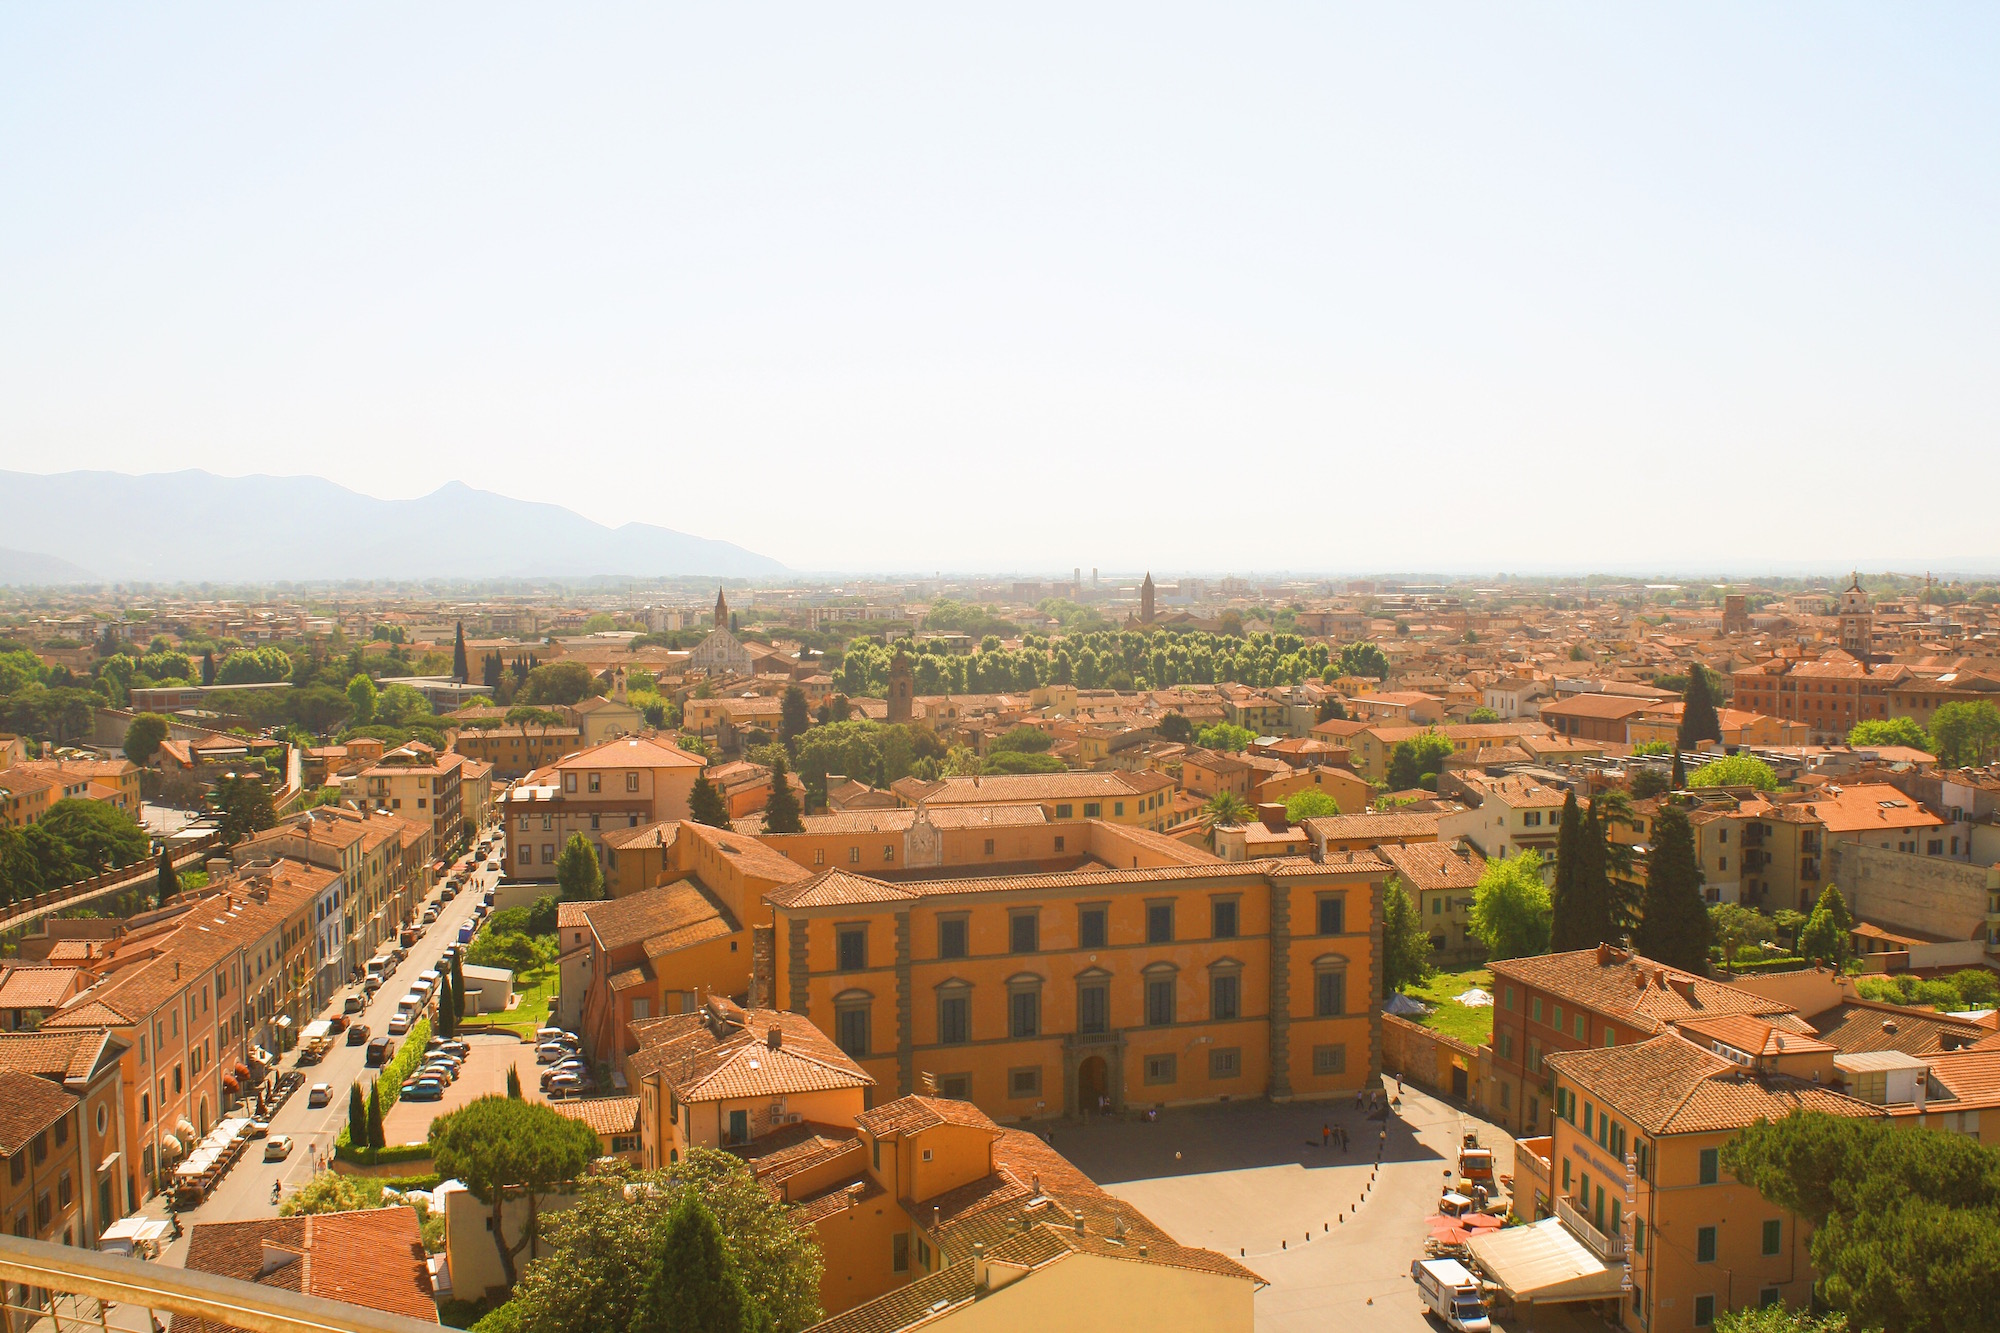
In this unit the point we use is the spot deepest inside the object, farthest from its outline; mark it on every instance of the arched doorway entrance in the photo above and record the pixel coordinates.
(1093, 1084)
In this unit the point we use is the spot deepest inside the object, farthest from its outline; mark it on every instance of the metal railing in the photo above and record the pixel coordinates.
(1611, 1249)
(57, 1287)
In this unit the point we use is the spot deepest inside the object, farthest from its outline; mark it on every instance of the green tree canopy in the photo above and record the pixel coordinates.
(1735, 770)
(1225, 736)
(586, 1280)
(1016, 761)
(1736, 928)
(706, 804)
(691, 1284)
(1406, 945)
(361, 697)
(795, 715)
(1176, 727)
(504, 1149)
(1673, 922)
(1310, 803)
(1364, 659)
(99, 836)
(1824, 938)
(1226, 807)
(1510, 907)
(1906, 1224)
(577, 870)
(1026, 740)
(143, 737)
(1965, 735)
(242, 807)
(557, 683)
(1417, 762)
(1890, 731)
(254, 666)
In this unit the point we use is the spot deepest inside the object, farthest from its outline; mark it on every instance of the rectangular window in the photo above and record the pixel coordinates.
(1024, 1013)
(1330, 1059)
(1535, 1008)
(642, 1008)
(1024, 932)
(1704, 1312)
(958, 1087)
(952, 937)
(954, 1018)
(1063, 811)
(854, 856)
(1709, 1158)
(1024, 1082)
(1638, 1235)
(631, 782)
(1222, 918)
(851, 1030)
(1092, 809)
(1556, 1018)
(1090, 927)
(852, 953)
(1332, 914)
(899, 1252)
(989, 847)
(1159, 923)
(1118, 807)
(1330, 994)
(739, 1126)
(1578, 1028)
(1704, 1245)
(1225, 1061)
(1225, 997)
(1160, 1069)
(1093, 1008)
(1160, 1001)
(1774, 1236)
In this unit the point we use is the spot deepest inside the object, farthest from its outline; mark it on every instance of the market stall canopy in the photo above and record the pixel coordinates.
(1545, 1264)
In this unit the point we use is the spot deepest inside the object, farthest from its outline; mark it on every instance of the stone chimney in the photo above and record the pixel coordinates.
(775, 1038)
(980, 1274)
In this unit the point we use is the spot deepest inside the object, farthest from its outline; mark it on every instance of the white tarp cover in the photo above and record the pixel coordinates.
(1403, 1006)
(1474, 998)
(1544, 1263)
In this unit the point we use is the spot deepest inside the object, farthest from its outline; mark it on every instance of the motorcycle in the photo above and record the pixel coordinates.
(277, 1188)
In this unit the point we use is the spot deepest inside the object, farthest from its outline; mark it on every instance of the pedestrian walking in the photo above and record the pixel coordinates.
(1325, 1134)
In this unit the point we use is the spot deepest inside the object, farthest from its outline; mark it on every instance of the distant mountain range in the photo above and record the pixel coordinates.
(195, 527)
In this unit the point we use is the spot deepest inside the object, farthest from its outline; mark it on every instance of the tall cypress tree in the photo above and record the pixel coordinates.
(357, 1116)
(458, 984)
(781, 811)
(1594, 914)
(1698, 720)
(169, 882)
(692, 1284)
(705, 803)
(514, 1082)
(1564, 934)
(461, 670)
(1673, 925)
(375, 1138)
(1678, 780)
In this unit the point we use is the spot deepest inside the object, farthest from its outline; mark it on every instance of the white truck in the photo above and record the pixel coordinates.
(1452, 1293)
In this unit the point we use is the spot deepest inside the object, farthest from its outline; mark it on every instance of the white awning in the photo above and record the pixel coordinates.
(1545, 1264)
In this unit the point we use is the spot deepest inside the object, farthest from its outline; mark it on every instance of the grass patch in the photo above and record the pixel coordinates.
(536, 988)
(1472, 1025)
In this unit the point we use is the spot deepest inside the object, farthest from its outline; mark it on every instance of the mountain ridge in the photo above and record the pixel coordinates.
(261, 529)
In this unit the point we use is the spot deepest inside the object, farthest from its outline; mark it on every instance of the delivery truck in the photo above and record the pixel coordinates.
(1452, 1293)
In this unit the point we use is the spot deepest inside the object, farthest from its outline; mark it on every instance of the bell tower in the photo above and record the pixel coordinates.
(721, 610)
(1146, 593)
(902, 688)
(1857, 621)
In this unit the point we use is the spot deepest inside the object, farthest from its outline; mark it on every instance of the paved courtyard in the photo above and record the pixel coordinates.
(485, 1072)
(1252, 1181)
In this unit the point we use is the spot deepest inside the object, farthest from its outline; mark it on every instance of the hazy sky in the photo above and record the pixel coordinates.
(866, 287)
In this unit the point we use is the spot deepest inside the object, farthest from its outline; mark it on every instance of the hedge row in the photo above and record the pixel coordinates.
(1762, 965)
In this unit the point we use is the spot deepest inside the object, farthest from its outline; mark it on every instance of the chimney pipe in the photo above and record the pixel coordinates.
(775, 1038)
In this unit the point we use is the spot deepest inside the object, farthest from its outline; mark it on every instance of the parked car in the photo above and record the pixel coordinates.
(277, 1148)
(566, 1085)
(353, 1004)
(399, 1025)
(357, 1035)
(554, 1034)
(550, 1052)
(320, 1095)
(423, 1088)
(259, 1128)
(493, 865)
(454, 1046)
(380, 1052)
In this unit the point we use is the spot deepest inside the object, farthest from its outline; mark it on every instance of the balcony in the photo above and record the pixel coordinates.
(1611, 1249)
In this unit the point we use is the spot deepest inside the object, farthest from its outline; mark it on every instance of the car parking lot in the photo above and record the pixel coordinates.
(484, 1072)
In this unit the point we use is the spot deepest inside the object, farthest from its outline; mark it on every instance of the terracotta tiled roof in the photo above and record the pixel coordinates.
(1752, 1036)
(1002, 788)
(372, 1258)
(1972, 1077)
(1866, 1026)
(1632, 989)
(38, 987)
(71, 1053)
(28, 1105)
(1669, 1085)
(832, 888)
(908, 1115)
(680, 910)
(1433, 865)
(705, 1058)
(631, 752)
(1385, 824)
(605, 1115)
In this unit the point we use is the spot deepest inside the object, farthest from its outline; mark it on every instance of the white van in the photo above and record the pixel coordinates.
(409, 1004)
(1452, 1293)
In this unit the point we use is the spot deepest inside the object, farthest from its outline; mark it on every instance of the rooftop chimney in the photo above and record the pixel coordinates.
(775, 1038)
(979, 1273)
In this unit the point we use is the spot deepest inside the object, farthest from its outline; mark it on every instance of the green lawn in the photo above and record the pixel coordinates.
(1471, 1025)
(536, 989)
